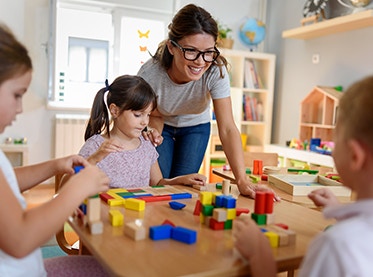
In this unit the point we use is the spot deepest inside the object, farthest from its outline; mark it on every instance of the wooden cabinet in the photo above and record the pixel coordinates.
(252, 76)
(331, 26)
(16, 153)
(318, 114)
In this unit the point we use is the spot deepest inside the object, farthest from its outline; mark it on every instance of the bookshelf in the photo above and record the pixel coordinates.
(252, 76)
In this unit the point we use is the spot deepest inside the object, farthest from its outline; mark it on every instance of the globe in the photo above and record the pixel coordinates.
(252, 32)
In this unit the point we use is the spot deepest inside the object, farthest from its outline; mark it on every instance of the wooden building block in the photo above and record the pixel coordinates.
(135, 204)
(96, 227)
(273, 239)
(93, 209)
(220, 214)
(116, 218)
(135, 231)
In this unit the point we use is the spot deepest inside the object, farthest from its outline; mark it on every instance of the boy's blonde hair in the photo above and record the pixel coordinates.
(355, 112)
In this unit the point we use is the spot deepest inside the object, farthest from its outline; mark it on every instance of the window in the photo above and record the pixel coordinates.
(97, 42)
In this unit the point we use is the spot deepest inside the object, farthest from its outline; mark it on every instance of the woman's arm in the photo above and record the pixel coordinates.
(231, 141)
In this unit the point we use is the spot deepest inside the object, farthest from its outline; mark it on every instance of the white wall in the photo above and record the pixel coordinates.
(344, 58)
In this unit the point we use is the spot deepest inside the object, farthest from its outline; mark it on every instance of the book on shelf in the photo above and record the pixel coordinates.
(252, 79)
(252, 108)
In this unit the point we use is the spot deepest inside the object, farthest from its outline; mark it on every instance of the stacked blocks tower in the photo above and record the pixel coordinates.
(216, 210)
(277, 234)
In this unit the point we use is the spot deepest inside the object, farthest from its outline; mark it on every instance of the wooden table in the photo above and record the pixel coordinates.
(212, 255)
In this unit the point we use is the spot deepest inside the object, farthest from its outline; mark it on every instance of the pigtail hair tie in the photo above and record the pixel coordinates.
(107, 87)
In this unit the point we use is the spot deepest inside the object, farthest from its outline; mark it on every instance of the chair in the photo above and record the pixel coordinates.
(60, 235)
(268, 159)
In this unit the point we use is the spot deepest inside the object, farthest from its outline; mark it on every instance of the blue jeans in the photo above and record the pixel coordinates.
(183, 149)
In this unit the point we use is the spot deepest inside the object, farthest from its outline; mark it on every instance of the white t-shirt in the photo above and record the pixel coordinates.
(31, 265)
(185, 105)
(344, 249)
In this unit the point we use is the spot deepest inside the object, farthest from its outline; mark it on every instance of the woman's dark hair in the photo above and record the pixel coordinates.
(190, 20)
(127, 93)
(14, 57)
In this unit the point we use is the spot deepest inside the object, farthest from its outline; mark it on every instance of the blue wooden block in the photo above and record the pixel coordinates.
(78, 168)
(176, 205)
(184, 235)
(181, 195)
(229, 202)
(219, 201)
(160, 232)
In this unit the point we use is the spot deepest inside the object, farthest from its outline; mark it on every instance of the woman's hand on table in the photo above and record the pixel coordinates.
(249, 189)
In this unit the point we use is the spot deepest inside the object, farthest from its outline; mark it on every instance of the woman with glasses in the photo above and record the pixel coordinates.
(186, 73)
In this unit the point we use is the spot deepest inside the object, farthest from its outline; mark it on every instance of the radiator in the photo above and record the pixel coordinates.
(70, 130)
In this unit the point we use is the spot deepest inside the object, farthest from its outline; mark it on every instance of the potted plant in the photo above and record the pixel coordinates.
(224, 38)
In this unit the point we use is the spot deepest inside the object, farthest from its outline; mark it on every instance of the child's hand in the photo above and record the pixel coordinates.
(90, 180)
(323, 197)
(248, 237)
(194, 179)
(107, 147)
(67, 164)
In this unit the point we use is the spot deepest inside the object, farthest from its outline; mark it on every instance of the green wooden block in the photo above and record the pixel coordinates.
(228, 224)
(207, 210)
(260, 219)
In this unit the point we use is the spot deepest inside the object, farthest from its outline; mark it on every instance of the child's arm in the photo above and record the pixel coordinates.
(32, 175)
(190, 179)
(156, 178)
(25, 230)
(254, 247)
(323, 197)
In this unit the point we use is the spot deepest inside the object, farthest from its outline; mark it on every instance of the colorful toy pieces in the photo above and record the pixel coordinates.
(278, 234)
(216, 210)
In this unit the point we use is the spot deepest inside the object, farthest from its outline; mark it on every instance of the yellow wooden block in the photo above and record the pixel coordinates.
(116, 218)
(113, 194)
(118, 190)
(206, 197)
(116, 202)
(273, 239)
(135, 204)
(231, 213)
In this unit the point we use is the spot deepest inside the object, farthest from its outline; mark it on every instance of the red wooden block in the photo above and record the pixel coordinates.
(282, 225)
(259, 202)
(241, 211)
(156, 198)
(269, 199)
(215, 225)
(264, 177)
(197, 208)
(169, 223)
(105, 197)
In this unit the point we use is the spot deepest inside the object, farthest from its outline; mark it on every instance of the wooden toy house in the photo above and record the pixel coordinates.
(318, 113)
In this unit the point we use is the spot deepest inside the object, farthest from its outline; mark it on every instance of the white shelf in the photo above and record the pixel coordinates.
(331, 26)
(301, 155)
(16, 153)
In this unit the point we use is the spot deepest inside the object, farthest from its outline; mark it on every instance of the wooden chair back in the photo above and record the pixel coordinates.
(268, 159)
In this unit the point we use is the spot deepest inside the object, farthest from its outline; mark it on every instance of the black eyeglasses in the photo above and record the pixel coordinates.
(191, 54)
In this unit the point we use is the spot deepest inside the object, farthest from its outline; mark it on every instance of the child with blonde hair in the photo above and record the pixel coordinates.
(344, 249)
